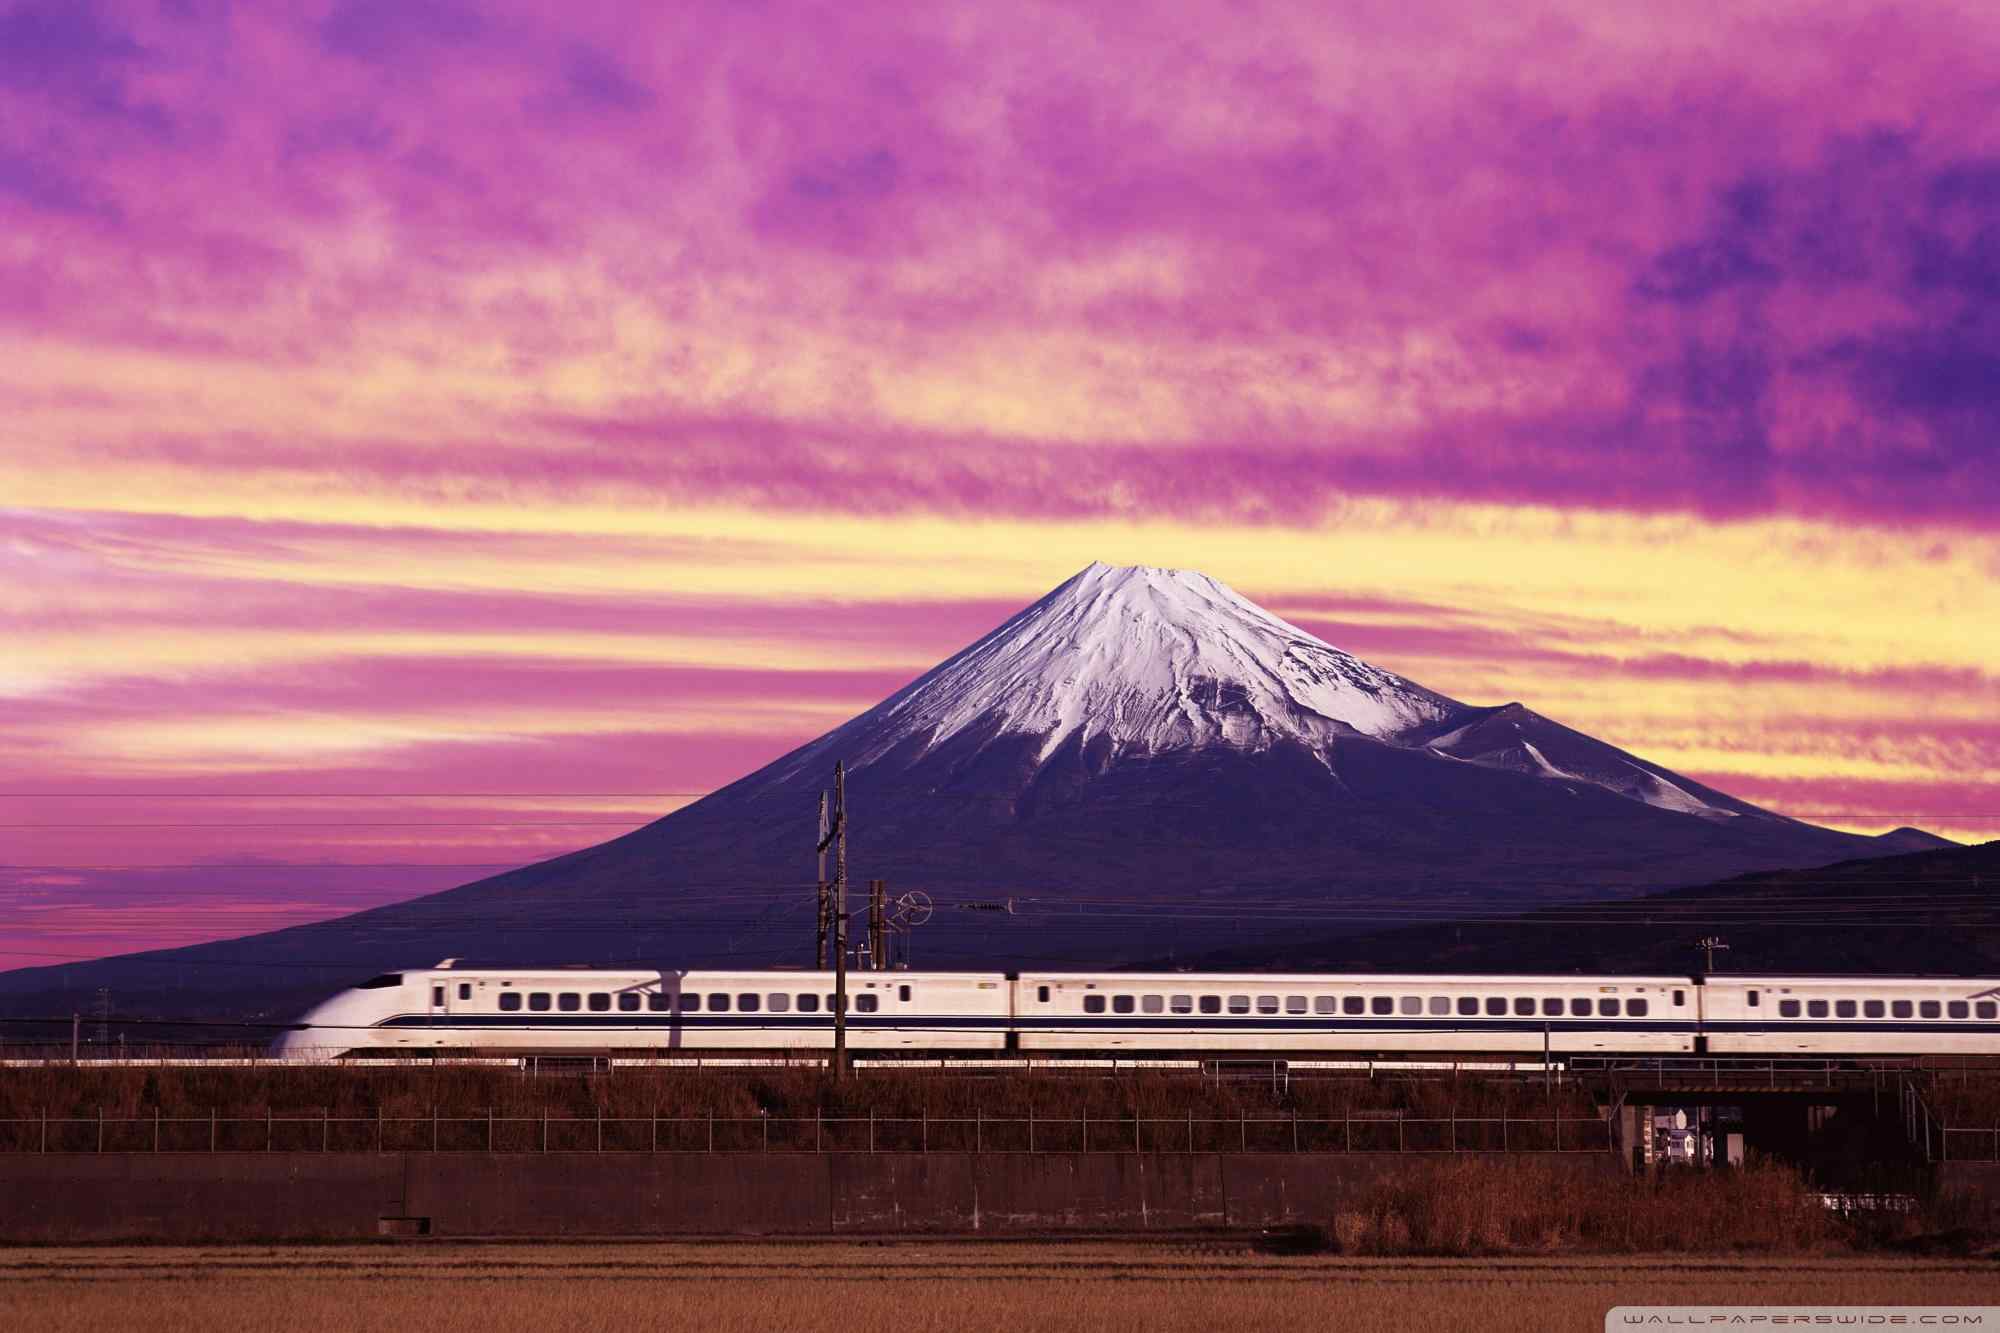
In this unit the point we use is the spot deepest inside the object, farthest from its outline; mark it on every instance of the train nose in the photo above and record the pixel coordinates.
(314, 1033)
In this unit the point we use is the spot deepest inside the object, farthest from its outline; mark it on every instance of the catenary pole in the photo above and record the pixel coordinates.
(839, 920)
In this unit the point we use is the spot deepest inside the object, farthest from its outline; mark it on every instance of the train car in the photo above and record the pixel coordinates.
(587, 1010)
(1833, 1016)
(1180, 1011)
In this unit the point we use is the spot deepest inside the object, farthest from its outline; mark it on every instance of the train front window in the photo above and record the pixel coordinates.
(378, 982)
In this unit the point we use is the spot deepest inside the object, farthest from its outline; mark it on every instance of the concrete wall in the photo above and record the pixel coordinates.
(69, 1198)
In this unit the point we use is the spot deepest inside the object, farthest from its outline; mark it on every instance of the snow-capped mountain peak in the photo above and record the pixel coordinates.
(1149, 660)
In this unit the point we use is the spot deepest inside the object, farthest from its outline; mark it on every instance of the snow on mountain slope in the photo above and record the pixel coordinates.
(1141, 662)
(1150, 660)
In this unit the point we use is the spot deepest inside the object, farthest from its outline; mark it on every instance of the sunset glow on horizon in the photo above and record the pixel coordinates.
(439, 436)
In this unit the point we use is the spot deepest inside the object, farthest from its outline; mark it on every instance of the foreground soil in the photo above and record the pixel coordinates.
(907, 1286)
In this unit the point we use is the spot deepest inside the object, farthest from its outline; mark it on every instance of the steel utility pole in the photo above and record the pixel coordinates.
(825, 903)
(839, 920)
(878, 911)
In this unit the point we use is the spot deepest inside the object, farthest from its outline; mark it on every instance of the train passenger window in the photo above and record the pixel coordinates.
(1041, 994)
(1468, 1005)
(1986, 1009)
(1845, 1009)
(778, 1002)
(628, 1002)
(1093, 1004)
(1788, 1008)
(749, 1002)
(836, 1004)
(1440, 1004)
(1267, 1004)
(657, 1002)
(808, 1002)
(1579, 1007)
(690, 1001)
(1211, 1004)
(600, 1003)
(718, 1003)
(539, 1001)
(903, 992)
(569, 1002)
(1152, 1004)
(1496, 1005)
(510, 1001)
(1552, 1006)
(437, 996)
(1295, 1004)
(1902, 1009)
(1636, 1008)
(1607, 1008)
(464, 990)
(1524, 1004)
(1324, 1004)
(1352, 1004)
(1122, 1004)
(1753, 999)
(1380, 1004)
(1929, 1009)
(1239, 1004)
(1873, 1009)
(1815, 1008)
(867, 1003)
(1180, 1004)
(1410, 1004)
(1957, 1009)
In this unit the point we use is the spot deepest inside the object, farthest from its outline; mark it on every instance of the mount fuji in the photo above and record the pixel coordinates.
(1142, 765)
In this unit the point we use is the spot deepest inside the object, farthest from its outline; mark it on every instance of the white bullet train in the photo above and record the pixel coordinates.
(587, 1010)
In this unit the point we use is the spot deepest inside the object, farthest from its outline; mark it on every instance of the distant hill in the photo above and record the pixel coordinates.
(1930, 911)
(1141, 759)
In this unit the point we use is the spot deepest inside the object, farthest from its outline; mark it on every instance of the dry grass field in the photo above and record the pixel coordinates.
(902, 1288)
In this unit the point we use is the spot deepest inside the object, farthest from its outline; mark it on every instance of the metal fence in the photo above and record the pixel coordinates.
(977, 1133)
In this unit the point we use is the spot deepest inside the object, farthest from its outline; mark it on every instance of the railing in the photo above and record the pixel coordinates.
(978, 1133)
(1741, 1071)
